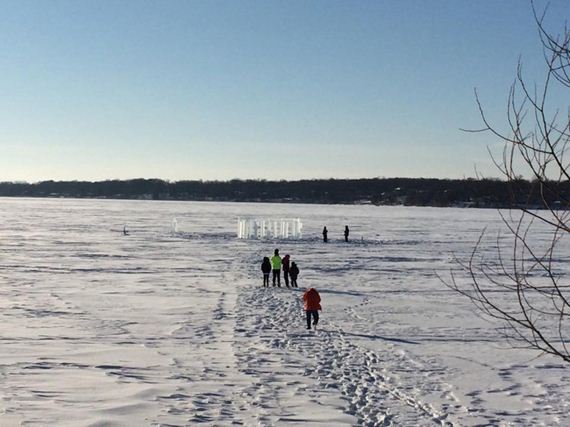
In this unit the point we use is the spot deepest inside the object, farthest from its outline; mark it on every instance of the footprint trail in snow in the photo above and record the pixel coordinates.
(294, 367)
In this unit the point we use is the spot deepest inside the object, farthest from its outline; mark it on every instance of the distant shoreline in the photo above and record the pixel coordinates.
(465, 193)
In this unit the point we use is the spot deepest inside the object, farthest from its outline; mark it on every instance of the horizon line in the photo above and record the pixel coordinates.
(254, 179)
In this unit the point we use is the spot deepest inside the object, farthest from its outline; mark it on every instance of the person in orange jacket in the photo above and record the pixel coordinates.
(312, 302)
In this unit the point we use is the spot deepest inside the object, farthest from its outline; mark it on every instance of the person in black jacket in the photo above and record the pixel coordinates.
(346, 232)
(325, 233)
(266, 269)
(285, 266)
(293, 273)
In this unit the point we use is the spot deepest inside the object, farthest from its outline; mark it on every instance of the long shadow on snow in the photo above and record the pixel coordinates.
(352, 293)
(351, 334)
(419, 339)
(380, 337)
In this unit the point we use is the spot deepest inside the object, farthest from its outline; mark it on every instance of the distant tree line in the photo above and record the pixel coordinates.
(379, 191)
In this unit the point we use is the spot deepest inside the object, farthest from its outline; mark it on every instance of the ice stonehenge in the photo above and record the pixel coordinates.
(264, 228)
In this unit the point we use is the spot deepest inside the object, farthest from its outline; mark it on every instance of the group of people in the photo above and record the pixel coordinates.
(275, 265)
(311, 298)
(326, 233)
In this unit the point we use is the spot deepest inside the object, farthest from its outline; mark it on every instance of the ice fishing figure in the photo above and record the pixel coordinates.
(312, 303)
(325, 233)
(346, 232)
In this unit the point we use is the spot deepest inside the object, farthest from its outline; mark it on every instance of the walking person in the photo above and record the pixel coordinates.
(293, 273)
(346, 232)
(312, 302)
(285, 267)
(266, 269)
(276, 265)
(325, 233)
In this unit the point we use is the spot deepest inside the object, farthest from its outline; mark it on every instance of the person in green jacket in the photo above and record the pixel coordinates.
(276, 264)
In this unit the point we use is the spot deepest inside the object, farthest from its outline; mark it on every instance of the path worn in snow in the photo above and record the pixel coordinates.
(272, 346)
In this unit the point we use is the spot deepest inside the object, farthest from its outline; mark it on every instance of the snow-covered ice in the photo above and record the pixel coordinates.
(169, 325)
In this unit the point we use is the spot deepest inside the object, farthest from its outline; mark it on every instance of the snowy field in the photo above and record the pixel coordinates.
(173, 328)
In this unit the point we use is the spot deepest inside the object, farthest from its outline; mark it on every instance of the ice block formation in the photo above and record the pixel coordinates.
(265, 228)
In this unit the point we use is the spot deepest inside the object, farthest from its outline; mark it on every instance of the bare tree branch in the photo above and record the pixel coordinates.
(522, 288)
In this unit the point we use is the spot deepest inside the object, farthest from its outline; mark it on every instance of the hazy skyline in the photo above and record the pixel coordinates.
(177, 90)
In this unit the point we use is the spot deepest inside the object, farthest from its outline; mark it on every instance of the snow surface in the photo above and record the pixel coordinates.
(173, 328)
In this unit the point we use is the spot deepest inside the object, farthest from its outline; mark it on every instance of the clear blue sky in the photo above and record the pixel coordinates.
(101, 89)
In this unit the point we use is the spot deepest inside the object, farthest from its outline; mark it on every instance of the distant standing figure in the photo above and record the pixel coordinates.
(346, 232)
(285, 266)
(312, 302)
(276, 264)
(294, 272)
(266, 269)
(125, 232)
(325, 232)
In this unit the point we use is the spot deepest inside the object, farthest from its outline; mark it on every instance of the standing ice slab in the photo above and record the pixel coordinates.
(265, 228)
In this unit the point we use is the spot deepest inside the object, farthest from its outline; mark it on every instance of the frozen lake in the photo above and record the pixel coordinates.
(173, 328)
